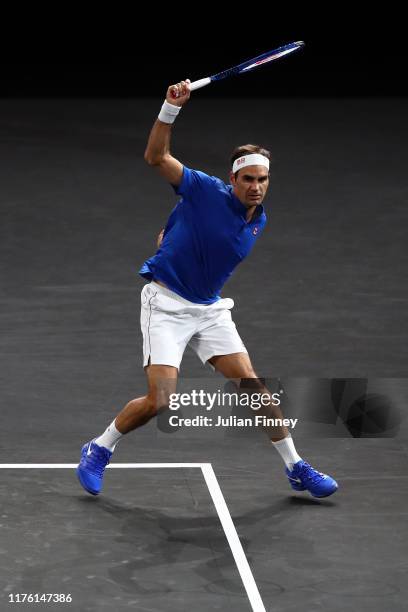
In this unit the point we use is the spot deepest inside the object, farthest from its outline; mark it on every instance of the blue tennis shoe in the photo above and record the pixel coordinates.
(91, 468)
(305, 478)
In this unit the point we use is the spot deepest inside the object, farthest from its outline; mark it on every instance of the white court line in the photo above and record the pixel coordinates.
(232, 537)
(70, 466)
(219, 503)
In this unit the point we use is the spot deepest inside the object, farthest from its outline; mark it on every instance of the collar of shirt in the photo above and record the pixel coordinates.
(243, 210)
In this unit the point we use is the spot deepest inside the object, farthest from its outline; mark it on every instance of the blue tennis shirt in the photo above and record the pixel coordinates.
(205, 238)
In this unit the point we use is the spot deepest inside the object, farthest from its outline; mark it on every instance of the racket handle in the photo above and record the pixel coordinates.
(200, 83)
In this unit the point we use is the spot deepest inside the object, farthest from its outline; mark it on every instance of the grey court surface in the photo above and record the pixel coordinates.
(322, 296)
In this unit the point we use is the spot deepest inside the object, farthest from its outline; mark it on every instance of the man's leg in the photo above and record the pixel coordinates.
(162, 381)
(238, 367)
(96, 454)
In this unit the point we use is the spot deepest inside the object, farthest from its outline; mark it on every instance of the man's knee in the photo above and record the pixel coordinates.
(251, 381)
(157, 403)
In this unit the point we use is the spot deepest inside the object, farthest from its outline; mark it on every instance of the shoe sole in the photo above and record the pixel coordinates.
(326, 495)
(298, 488)
(92, 492)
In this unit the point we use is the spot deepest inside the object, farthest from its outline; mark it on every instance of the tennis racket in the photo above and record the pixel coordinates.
(250, 64)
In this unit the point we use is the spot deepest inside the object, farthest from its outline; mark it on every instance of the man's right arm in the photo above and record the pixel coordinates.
(157, 152)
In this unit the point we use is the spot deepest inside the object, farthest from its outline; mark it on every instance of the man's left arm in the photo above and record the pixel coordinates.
(160, 238)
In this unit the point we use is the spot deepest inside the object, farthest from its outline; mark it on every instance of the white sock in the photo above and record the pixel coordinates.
(109, 438)
(287, 451)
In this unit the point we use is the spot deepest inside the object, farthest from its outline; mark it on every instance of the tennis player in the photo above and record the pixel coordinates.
(210, 231)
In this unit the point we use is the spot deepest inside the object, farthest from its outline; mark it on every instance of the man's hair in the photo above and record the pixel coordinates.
(246, 150)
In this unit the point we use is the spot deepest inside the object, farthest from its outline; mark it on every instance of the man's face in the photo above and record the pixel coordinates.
(251, 184)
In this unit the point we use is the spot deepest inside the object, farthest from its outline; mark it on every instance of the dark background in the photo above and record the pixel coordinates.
(138, 55)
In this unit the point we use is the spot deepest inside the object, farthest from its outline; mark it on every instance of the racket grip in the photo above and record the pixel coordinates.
(200, 83)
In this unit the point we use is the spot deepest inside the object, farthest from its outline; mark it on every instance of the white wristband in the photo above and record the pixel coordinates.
(168, 112)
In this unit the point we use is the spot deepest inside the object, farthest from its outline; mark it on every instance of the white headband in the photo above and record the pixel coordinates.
(254, 159)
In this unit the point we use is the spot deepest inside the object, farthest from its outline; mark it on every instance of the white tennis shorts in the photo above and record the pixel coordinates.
(169, 323)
